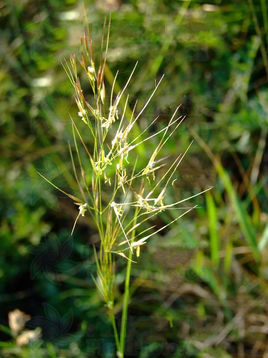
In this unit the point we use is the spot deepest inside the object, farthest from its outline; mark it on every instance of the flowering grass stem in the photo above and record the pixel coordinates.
(117, 190)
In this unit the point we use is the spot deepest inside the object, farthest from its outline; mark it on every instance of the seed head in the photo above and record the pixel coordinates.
(82, 209)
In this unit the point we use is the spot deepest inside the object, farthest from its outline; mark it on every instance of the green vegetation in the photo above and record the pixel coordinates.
(199, 288)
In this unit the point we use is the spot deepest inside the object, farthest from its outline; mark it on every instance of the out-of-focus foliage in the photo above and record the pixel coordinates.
(201, 288)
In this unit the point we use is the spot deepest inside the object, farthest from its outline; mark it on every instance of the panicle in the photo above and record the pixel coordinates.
(111, 161)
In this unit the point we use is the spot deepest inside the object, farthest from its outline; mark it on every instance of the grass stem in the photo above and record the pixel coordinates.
(125, 307)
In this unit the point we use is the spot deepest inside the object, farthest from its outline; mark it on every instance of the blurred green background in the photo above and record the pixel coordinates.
(200, 289)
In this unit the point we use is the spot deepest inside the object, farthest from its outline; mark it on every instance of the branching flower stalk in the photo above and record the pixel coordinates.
(119, 194)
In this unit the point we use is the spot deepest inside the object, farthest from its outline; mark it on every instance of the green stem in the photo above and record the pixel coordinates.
(123, 329)
(125, 307)
(115, 332)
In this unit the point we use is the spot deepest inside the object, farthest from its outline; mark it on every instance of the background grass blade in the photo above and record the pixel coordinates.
(213, 230)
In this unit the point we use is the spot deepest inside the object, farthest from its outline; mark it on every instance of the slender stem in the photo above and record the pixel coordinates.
(115, 332)
(123, 329)
(125, 307)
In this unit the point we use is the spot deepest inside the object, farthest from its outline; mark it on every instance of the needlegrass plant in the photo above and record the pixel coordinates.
(120, 193)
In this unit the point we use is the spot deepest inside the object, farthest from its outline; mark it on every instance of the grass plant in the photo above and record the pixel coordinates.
(200, 286)
(120, 193)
